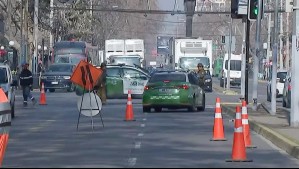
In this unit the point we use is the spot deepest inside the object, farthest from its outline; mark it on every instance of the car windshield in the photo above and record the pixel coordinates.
(126, 60)
(60, 68)
(171, 77)
(207, 72)
(281, 75)
(69, 59)
(191, 62)
(234, 65)
(3, 75)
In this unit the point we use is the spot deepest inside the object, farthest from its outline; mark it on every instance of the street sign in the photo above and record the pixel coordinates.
(243, 7)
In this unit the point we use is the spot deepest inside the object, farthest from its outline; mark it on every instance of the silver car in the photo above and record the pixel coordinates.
(8, 85)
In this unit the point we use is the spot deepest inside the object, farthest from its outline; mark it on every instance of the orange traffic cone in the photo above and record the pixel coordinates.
(218, 129)
(5, 122)
(246, 128)
(239, 150)
(129, 109)
(42, 100)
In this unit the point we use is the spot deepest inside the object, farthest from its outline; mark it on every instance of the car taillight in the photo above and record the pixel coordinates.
(289, 87)
(146, 87)
(186, 87)
(166, 81)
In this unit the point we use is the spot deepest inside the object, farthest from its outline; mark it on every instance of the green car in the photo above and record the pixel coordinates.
(173, 90)
(121, 78)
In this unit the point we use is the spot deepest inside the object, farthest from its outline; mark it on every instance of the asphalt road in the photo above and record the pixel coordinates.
(46, 136)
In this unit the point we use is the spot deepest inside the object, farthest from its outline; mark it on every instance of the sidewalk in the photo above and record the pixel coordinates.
(274, 128)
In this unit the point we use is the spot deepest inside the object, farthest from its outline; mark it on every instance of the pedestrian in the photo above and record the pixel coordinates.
(100, 86)
(26, 81)
(201, 75)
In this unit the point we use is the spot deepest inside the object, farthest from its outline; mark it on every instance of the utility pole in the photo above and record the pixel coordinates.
(287, 62)
(257, 55)
(247, 58)
(274, 61)
(229, 54)
(268, 45)
(52, 28)
(280, 40)
(189, 9)
(294, 119)
(243, 68)
(26, 51)
(22, 31)
(35, 58)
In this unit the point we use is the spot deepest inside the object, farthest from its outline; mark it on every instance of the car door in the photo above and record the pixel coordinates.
(193, 80)
(114, 83)
(134, 80)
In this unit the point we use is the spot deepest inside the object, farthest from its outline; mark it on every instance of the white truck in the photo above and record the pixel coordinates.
(128, 51)
(188, 52)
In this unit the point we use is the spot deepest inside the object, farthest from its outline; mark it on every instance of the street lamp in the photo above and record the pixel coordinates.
(11, 43)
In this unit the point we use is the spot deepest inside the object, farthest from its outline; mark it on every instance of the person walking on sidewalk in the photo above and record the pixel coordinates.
(26, 81)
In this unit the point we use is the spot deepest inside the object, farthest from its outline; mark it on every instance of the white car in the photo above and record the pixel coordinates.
(8, 85)
(279, 84)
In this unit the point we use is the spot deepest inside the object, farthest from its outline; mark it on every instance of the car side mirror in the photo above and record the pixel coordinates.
(14, 83)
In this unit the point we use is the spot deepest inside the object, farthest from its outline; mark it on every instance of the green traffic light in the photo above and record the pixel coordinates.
(255, 11)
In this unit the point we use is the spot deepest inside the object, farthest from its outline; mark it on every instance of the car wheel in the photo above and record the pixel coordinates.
(284, 104)
(221, 83)
(13, 111)
(268, 97)
(71, 88)
(193, 107)
(52, 90)
(146, 109)
(158, 109)
(203, 107)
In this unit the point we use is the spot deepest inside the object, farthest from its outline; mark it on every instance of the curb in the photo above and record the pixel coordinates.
(276, 138)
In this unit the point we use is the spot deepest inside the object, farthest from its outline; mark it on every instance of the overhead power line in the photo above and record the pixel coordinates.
(148, 11)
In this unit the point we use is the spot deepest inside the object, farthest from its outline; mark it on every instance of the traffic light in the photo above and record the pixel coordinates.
(234, 9)
(254, 9)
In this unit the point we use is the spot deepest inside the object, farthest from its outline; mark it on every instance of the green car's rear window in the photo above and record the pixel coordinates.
(171, 77)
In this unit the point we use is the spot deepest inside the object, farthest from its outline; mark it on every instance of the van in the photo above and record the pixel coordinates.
(235, 70)
(8, 85)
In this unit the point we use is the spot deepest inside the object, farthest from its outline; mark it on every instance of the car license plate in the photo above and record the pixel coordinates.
(55, 83)
(166, 90)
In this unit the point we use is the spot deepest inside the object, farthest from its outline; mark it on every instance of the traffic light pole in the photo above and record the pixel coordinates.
(257, 55)
(247, 58)
(274, 62)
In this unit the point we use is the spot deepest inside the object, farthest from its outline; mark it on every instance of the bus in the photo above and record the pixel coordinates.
(217, 66)
(74, 52)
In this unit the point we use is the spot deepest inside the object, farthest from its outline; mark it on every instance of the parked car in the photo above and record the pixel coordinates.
(286, 98)
(208, 81)
(279, 85)
(8, 85)
(173, 90)
(58, 77)
(121, 78)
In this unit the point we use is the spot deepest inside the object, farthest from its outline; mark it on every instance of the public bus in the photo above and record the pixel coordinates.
(217, 66)
(74, 52)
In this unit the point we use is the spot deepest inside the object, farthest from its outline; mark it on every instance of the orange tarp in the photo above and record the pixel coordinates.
(86, 75)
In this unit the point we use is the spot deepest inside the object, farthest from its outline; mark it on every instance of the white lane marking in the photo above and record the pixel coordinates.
(142, 125)
(140, 134)
(132, 162)
(137, 145)
(144, 119)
